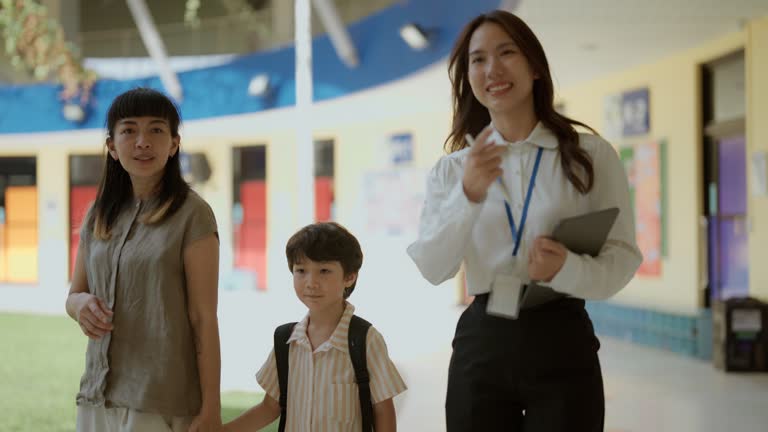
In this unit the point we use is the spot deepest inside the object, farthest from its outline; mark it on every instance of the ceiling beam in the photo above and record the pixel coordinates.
(337, 31)
(155, 47)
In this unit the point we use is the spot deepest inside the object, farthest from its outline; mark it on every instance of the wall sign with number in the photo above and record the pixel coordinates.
(401, 149)
(635, 112)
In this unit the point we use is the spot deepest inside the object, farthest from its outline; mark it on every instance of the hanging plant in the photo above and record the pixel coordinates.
(35, 43)
(191, 10)
(242, 9)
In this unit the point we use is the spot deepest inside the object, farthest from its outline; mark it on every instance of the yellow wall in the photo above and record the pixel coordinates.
(359, 135)
(674, 84)
(356, 154)
(757, 140)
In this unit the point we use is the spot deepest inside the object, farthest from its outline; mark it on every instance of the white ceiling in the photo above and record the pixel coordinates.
(586, 39)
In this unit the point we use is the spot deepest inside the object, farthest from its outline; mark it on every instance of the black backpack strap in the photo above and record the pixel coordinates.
(358, 330)
(282, 334)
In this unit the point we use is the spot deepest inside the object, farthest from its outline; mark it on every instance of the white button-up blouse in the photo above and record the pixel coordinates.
(453, 229)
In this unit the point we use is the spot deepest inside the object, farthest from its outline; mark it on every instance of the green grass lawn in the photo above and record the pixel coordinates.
(41, 361)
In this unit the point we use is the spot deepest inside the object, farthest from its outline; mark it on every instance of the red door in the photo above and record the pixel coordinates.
(251, 232)
(80, 198)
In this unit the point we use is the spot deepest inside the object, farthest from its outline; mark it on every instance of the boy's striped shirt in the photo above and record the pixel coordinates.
(322, 394)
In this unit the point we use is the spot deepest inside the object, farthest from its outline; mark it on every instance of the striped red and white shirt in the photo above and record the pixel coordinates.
(322, 393)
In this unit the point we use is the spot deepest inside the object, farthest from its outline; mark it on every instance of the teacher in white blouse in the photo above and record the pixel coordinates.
(491, 203)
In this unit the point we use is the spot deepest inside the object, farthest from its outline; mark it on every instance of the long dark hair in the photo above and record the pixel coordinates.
(470, 116)
(115, 188)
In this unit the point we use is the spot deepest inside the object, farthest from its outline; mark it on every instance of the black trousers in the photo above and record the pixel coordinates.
(539, 373)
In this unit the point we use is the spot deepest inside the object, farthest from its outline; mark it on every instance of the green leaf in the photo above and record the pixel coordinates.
(41, 71)
(10, 45)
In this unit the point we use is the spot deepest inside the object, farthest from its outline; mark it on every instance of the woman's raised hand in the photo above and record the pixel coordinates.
(483, 165)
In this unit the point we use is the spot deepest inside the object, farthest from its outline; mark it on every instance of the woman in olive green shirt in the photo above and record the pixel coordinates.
(145, 285)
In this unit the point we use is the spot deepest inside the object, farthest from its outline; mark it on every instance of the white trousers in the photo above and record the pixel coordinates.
(101, 419)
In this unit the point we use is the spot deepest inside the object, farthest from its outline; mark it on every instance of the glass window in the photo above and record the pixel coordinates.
(18, 220)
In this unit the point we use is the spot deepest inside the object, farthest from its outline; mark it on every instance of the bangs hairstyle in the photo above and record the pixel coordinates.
(115, 188)
(470, 116)
(325, 242)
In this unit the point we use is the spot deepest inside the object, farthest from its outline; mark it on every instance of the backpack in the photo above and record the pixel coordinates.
(358, 330)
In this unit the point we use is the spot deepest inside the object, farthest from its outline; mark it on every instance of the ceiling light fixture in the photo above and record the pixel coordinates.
(414, 36)
(259, 85)
(337, 31)
(73, 112)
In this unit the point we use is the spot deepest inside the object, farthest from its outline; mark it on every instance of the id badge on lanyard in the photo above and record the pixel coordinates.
(504, 298)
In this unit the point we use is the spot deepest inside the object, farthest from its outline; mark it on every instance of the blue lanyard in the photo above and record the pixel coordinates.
(518, 234)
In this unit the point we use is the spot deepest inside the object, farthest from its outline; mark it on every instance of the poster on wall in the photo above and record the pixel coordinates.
(626, 114)
(400, 149)
(648, 207)
(635, 112)
(645, 169)
(627, 155)
(393, 200)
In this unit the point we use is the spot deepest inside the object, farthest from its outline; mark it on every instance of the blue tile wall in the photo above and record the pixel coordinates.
(684, 334)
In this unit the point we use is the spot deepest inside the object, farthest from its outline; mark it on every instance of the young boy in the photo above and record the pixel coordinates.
(322, 393)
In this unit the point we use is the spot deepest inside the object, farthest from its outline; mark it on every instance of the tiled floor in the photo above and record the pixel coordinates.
(647, 390)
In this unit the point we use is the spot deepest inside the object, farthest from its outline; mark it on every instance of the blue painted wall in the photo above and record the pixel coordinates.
(222, 90)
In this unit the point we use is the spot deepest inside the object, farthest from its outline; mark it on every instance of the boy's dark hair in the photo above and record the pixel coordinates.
(326, 241)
